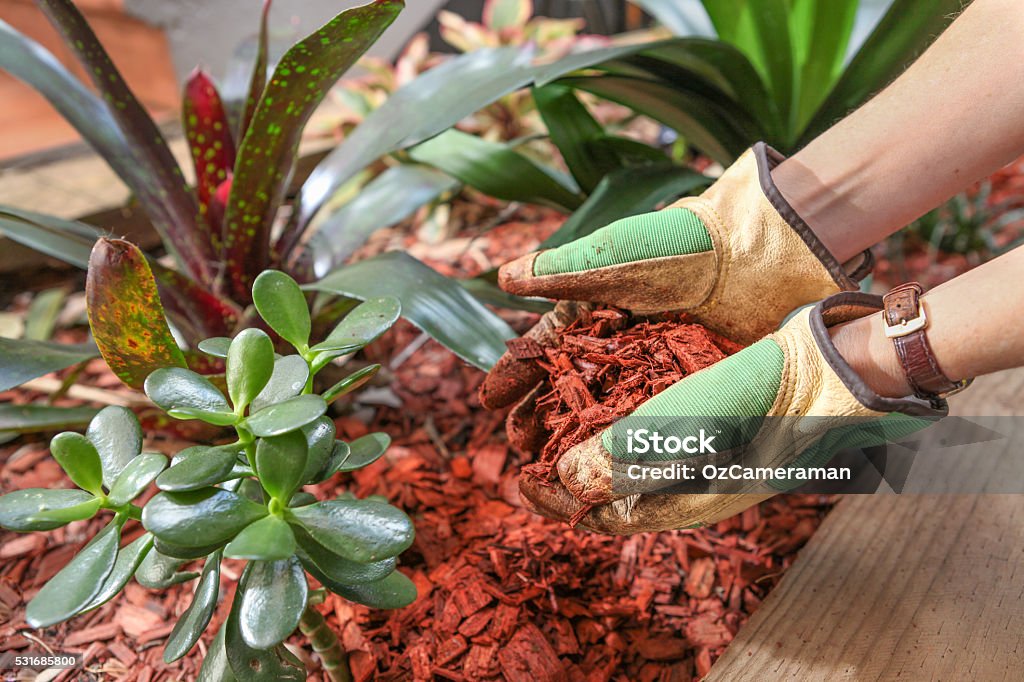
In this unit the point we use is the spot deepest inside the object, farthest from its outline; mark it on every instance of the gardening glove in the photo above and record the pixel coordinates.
(788, 400)
(737, 258)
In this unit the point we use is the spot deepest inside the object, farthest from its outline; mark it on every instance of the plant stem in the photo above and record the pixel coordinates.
(325, 643)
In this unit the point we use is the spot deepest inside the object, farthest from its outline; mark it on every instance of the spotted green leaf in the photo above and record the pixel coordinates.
(125, 313)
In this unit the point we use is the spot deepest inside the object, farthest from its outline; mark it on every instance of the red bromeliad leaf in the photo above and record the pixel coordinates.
(265, 157)
(166, 198)
(213, 149)
(194, 309)
(125, 313)
(259, 73)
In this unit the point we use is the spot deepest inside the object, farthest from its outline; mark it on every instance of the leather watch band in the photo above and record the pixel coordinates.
(906, 323)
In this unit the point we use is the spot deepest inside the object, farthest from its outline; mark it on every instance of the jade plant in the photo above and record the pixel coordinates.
(242, 499)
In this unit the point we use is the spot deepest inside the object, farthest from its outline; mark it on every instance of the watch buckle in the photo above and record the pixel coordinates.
(906, 327)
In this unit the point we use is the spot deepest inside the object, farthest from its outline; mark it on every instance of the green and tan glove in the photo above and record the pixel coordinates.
(737, 258)
(788, 400)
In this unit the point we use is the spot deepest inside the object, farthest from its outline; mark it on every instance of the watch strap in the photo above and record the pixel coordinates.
(906, 324)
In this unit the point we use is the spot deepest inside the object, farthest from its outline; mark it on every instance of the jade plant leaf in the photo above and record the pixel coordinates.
(286, 416)
(319, 445)
(350, 383)
(182, 552)
(299, 83)
(117, 435)
(74, 587)
(79, 459)
(359, 530)
(249, 366)
(269, 539)
(282, 305)
(198, 467)
(339, 454)
(43, 509)
(125, 313)
(215, 666)
(22, 360)
(434, 303)
(274, 664)
(136, 477)
(287, 381)
(191, 624)
(216, 346)
(128, 560)
(340, 569)
(273, 598)
(393, 592)
(362, 326)
(280, 462)
(364, 451)
(199, 518)
(159, 571)
(183, 394)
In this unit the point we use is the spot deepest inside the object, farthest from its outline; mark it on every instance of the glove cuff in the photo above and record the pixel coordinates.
(851, 305)
(846, 275)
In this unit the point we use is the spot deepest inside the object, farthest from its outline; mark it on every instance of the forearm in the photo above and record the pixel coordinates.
(952, 118)
(974, 328)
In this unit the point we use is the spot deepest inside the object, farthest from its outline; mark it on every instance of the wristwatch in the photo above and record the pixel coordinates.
(906, 323)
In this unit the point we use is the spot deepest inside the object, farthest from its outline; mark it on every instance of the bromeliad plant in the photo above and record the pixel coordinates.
(241, 500)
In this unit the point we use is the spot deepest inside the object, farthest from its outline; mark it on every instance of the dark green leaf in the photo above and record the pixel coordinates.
(339, 454)
(350, 383)
(336, 568)
(182, 552)
(287, 381)
(393, 592)
(129, 558)
(199, 518)
(625, 193)
(16, 419)
(22, 360)
(280, 461)
(359, 530)
(116, 433)
(269, 539)
(903, 33)
(215, 666)
(390, 198)
(125, 314)
(79, 459)
(286, 416)
(362, 326)
(67, 240)
(191, 624)
(159, 571)
(43, 509)
(136, 477)
(570, 126)
(249, 366)
(168, 199)
(365, 451)
(198, 467)
(432, 302)
(273, 599)
(496, 169)
(74, 587)
(217, 346)
(275, 664)
(282, 305)
(186, 395)
(300, 81)
(487, 292)
(319, 445)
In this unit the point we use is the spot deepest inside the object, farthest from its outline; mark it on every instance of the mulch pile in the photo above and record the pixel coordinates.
(504, 594)
(603, 366)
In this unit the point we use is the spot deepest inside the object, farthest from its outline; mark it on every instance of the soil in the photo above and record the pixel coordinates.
(504, 594)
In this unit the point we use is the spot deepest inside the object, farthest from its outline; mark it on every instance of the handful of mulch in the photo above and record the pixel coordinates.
(599, 367)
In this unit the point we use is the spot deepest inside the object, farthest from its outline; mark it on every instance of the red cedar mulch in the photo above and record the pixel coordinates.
(504, 594)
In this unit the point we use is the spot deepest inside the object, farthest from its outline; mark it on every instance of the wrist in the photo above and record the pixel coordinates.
(863, 345)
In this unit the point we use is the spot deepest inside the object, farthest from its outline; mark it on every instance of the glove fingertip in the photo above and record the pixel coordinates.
(516, 277)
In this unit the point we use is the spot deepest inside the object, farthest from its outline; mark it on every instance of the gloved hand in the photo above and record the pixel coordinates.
(789, 399)
(737, 258)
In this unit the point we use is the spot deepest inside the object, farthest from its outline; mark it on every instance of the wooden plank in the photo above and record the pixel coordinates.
(911, 587)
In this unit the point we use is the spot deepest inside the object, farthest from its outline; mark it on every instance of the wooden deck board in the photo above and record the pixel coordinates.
(911, 587)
